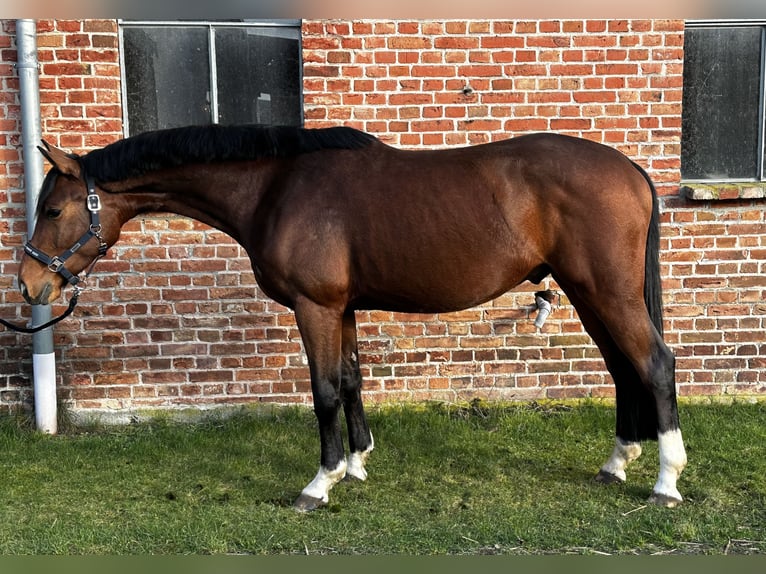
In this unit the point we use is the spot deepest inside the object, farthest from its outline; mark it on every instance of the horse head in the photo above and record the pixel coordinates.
(73, 229)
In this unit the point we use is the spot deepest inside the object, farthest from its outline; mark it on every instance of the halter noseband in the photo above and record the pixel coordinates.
(56, 263)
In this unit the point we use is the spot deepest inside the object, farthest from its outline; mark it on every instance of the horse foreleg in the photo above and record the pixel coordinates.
(360, 439)
(320, 330)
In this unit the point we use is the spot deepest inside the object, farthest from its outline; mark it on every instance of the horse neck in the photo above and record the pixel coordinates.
(224, 196)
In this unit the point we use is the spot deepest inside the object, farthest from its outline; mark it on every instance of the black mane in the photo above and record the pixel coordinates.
(144, 153)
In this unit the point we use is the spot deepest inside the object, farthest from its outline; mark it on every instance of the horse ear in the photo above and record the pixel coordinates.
(66, 163)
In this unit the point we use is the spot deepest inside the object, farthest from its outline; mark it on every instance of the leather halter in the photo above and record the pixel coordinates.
(56, 263)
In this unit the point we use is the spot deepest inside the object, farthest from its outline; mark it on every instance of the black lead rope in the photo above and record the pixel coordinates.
(17, 328)
(77, 289)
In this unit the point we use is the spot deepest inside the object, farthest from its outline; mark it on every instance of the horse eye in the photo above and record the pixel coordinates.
(52, 213)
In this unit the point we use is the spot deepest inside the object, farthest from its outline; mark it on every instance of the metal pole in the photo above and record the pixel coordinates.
(43, 356)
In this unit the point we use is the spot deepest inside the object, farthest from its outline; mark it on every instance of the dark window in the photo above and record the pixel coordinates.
(197, 73)
(723, 122)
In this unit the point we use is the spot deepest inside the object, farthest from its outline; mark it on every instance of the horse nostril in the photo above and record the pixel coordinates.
(25, 292)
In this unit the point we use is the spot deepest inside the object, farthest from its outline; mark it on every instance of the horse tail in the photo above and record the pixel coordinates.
(652, 278)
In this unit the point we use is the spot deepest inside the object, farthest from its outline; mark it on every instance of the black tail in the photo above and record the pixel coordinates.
(652, 279)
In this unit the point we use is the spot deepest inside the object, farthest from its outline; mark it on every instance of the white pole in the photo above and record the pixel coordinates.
(43, 357)
(44, 366)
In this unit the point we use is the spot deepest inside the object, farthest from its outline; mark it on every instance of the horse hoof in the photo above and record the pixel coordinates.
(307, 503)
(353, 478)
(665, 500)
(604, 477)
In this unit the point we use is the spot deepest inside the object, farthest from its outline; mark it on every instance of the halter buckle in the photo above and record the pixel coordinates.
(94, 203)
(56, 264)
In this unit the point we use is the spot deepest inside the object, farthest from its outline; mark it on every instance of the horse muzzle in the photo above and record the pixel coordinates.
(41, 298)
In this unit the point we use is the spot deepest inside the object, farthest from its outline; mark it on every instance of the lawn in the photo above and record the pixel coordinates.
(469, 479)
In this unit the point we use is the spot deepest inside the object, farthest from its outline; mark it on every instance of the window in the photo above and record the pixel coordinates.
(182, 73)
(723, 102)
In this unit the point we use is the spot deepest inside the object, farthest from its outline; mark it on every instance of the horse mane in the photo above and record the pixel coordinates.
(151, 151)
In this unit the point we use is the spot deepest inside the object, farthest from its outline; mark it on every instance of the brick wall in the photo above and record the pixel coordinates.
(714, 257)
(437, 84)
(174, 317)
(80, 109)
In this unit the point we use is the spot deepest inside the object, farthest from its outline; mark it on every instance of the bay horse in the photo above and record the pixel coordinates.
(336, 221)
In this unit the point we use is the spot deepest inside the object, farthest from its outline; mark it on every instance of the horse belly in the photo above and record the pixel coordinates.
(437, 282)
(442, 257)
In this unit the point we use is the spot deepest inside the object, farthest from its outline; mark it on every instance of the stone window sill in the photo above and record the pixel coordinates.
(723, 191)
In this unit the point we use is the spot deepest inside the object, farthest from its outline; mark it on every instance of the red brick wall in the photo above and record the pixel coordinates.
(173, 316)
(714, 256)
(80, 109)
(436, 84)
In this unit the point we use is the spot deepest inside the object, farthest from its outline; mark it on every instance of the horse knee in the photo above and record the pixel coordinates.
(327, 403)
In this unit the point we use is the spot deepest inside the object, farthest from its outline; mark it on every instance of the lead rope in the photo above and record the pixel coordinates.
(64, 315)
(76, 290)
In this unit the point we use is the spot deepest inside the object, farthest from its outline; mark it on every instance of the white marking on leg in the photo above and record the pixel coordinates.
(357, 461)
(672, 463)
(325, 479)
(623, 454)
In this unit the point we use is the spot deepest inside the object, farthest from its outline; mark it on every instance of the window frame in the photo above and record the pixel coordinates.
(734, 188)
(211, 25)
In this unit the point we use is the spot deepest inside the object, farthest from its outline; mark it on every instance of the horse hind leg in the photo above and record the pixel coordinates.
(629, 411)
(636, 413)
(360, 439)
(671, 444)
(643, 370)
(655, 365)
(613, 470)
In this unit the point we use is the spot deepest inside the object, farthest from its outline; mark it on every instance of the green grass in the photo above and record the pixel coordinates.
(474, 479)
